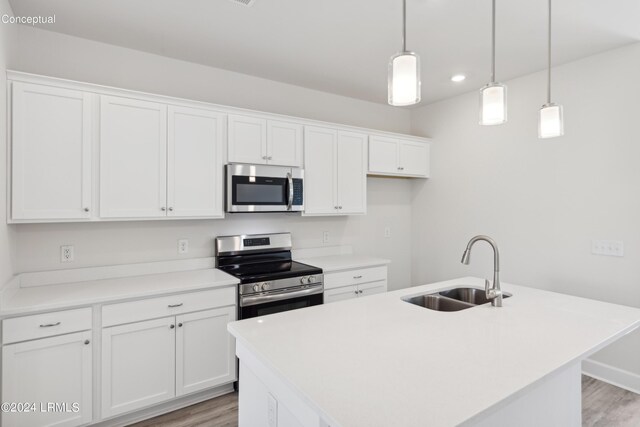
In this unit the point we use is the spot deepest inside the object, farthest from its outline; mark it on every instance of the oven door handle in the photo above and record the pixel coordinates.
(290, 181)
(249, 300)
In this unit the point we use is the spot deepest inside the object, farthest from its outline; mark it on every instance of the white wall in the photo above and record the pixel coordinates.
(37, 246)
(6, 44)
(543, 200)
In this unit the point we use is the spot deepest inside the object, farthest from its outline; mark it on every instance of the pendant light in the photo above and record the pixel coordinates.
(404, 71)
(550, 120)
(493, 96)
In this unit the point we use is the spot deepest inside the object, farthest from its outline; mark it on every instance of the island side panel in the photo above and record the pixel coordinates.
(266, 401)
(552, 401)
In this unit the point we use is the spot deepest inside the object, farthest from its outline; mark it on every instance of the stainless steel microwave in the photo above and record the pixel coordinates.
(261, 188)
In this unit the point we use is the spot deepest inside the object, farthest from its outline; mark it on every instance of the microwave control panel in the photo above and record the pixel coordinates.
(297, 192)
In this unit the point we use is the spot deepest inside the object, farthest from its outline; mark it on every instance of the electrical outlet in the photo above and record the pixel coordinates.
(183, 246)
(607, 247)
(325, 237)
(387, 232)
(272, 408)
(66, 253)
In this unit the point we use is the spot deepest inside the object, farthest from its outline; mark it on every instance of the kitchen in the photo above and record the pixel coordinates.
(555, 206)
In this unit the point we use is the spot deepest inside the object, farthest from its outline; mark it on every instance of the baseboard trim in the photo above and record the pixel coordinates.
(612, 375)
(164, 408)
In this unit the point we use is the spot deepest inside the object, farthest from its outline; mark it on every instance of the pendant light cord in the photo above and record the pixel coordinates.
(404, 25)
(493, 41)
(549, 59)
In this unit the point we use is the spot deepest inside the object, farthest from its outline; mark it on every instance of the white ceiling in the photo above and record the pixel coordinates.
(343, 46)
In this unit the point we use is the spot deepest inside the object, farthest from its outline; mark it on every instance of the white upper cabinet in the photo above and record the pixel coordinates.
(284, 143)
(195, 162)
(133, 158)
(335, 172)
(247, 140)
(50, 153)
(352, 173)
(264, 142)
(320, 169)
(413, 158)
(390, 156)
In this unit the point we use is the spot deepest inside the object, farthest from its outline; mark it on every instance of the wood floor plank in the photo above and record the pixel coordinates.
(603, 405)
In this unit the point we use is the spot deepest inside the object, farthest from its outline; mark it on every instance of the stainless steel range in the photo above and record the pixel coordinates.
(270, 281)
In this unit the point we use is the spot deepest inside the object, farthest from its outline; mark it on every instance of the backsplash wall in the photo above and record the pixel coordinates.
(109, 243)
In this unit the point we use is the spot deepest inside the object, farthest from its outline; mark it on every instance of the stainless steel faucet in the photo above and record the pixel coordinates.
(493, 292)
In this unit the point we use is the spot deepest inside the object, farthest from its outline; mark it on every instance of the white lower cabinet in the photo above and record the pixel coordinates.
(355, 283)
(138, 365)
(205, 353)
(148, 362)
(55, 375)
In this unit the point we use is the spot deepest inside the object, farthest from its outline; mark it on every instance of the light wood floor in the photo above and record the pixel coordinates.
(603, 405)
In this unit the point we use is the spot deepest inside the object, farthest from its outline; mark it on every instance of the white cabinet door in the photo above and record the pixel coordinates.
(247, 140)
(383, 155)
(57, 369)
(320, 162)
(284, 144)
(138, 365)
(194, 162)
(51, 153)
(352, 173)
(205, 354)
(372, 288)
(133, 158)
(413, 158)
(340, 294)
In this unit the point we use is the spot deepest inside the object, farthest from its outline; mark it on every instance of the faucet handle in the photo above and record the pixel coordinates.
(489, 291)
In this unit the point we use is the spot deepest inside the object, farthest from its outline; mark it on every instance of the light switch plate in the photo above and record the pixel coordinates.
(607, 247)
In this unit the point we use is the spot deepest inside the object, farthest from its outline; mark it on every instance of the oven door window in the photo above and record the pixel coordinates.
(279, 306)
(249, 190)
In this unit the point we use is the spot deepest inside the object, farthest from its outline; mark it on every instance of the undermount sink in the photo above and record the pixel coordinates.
(454, 299)
(473, 296)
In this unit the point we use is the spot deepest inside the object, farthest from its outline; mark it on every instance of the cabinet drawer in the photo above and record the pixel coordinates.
(354, 277)
(134, 311)
(45, 325)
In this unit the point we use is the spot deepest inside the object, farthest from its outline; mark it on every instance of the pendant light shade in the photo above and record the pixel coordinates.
(493, 97)
(493, 104)
(550, 123)
(404, 72)
(404, 79)
(550, 120)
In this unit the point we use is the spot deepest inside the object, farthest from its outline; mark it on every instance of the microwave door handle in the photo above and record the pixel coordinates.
(290, 180)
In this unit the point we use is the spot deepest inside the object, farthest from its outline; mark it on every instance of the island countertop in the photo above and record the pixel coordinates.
(380, 361)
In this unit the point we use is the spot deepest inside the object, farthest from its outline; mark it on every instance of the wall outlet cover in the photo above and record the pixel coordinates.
(183, 246)
(325, 237)
(66, 253)
(607, 247)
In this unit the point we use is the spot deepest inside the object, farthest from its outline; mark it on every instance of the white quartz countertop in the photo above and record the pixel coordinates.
(333, 263)
(379, 361)
(67, 295)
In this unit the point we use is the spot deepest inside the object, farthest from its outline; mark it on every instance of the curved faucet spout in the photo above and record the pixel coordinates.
(494, 293)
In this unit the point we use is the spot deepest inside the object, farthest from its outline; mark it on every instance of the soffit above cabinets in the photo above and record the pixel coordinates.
(343, 46)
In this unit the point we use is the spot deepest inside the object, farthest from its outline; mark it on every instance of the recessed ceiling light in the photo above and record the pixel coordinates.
(458, 78)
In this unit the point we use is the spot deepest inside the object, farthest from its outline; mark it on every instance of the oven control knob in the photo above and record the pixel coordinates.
(303, 280)
(311, 279)
(265, 286)
(256, 288)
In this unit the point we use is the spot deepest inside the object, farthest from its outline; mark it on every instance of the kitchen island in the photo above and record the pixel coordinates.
(381, 361)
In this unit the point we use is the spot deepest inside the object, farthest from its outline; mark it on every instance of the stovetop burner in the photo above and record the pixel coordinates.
(263, 271)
